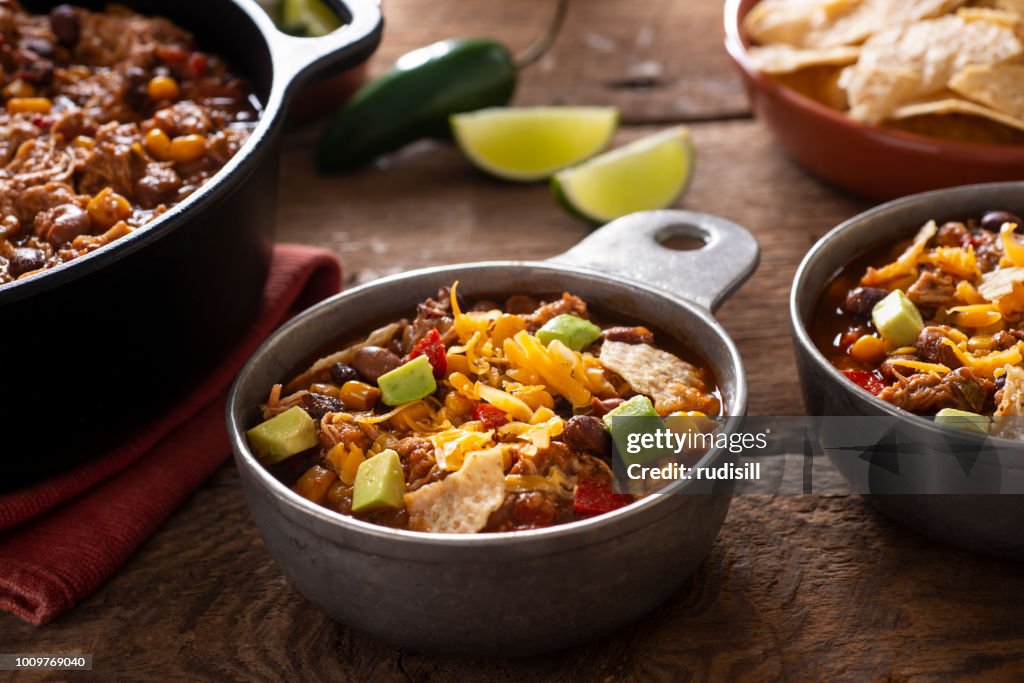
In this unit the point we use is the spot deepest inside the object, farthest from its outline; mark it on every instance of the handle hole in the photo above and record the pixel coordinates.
(682, 237)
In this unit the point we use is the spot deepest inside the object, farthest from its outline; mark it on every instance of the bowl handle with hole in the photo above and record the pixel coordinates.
(299, 60)
(631, 247)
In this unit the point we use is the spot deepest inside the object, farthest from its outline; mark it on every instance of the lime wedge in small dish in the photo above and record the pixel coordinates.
(526, 144)
(650, 173)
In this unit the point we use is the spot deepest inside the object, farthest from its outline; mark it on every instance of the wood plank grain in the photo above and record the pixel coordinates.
(803, 588)
(657, 60)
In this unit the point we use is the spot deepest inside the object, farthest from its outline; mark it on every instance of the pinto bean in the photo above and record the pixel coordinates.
(373, 361)
(63, 223)
(24, 260)
(606, 406)
(861, 300)
(520, 304)
(587, 433)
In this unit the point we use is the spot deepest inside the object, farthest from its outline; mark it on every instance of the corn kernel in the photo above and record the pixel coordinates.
(458, 405)
(35, 105)
(163, 88)
(84, 141)
(868, 349)
(107, 208)
(187, 148)
(158, 144)
(19, 88)
(358, 395)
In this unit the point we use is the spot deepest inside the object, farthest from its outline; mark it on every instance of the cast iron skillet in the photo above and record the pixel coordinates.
(955, 495)
(530, 591)
(96, 346)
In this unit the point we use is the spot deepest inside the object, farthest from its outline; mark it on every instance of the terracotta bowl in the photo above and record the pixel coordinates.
(868, 160)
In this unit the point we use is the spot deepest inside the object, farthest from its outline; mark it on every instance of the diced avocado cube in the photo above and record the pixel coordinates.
(409, 382)
(897, 319)
(282, 436)
(380, 483)
(964, 419)
(630, 425)
(574, 332)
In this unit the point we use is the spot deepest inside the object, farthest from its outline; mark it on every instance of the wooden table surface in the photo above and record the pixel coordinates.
(799, 588)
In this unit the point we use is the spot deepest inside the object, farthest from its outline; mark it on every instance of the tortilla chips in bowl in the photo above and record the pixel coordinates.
(888, 97)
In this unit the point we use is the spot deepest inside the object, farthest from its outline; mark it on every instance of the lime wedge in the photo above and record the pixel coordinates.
(307, 18)
(531, 143)
(650, 173)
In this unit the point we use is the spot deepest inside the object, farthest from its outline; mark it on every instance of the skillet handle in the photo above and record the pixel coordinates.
(631, 247)
(299, 60)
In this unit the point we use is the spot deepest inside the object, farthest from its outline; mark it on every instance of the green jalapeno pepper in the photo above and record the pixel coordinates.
(416, 96)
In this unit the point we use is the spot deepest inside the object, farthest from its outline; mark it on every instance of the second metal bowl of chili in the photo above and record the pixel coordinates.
(137, 204)
(908, 312)
(536, 573)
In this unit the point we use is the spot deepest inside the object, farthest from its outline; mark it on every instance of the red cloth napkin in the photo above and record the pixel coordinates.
(63, 537)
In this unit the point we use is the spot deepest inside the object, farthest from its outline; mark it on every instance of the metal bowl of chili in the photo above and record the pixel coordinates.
(526, 591)
(926, 485)
(161, 236)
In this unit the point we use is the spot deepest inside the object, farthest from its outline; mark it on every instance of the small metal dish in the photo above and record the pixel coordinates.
(518, 593)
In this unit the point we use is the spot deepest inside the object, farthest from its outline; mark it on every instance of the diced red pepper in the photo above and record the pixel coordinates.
(432, 346)
(595, 496)
(197, 63)
(868, 381)
(171, 54)
(491, 416)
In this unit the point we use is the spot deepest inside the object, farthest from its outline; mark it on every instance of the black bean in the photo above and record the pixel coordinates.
(25, 259)
(40, 46)
(587, 433)
(862, 300)
(39, 72)
(993, 220)
(318, 405)
(135, 87)
(341, 373)
(372, 361)
(65, 25)
(1000, 382)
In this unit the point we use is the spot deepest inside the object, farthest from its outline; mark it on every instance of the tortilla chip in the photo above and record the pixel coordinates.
(879, 93)
(659, 374)
(1013, 6)
(829, 23)
(999, 86)
(995, 16)
(955, 106)
(996, 284)
(872, 16)
(462, 502)
(784, 59)
(819, 83)
(932, 51)
(784, 21)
